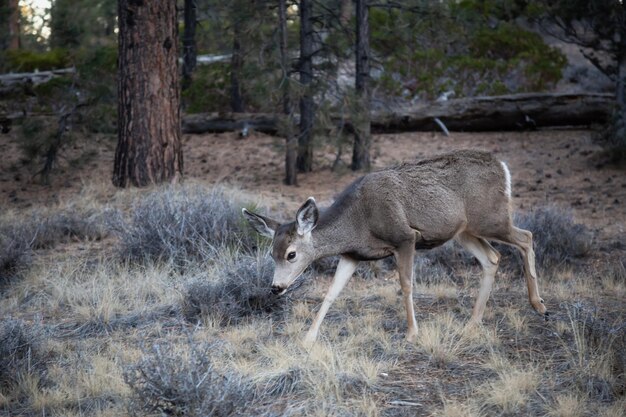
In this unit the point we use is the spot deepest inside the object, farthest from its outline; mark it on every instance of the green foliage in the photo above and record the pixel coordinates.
(209, 89)
(93, 87)
(37, 136)
(21, 60)
(461, 51)
(82, 23)
(518, 47)
(97, 68)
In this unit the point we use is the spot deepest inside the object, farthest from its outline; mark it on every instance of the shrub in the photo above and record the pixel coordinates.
(21, 353)
(40, 230)
(557, 238)
(461, 53)
(181, 225)
(73, 225)
(441, 262)
(242, 289)
(186, 383)
(15, 254)
(22, 60)
(209, 89)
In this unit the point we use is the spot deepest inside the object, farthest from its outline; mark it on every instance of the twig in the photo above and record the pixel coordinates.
(405, 403)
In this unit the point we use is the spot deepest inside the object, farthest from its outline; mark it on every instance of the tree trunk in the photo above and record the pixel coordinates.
(307, 105)
(346, 12)
(291, 144)
(14, 25)
(189, 43)
(362, 134)
(149, 146)
(236, 64)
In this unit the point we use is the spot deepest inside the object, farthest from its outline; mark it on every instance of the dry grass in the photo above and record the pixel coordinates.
(83, 327)
(510, 392)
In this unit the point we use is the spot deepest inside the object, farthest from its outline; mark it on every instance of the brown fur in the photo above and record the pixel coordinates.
(460, 195)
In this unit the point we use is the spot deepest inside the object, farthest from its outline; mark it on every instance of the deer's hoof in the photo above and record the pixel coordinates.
(411, 336)
(539, 306)
(309, 340)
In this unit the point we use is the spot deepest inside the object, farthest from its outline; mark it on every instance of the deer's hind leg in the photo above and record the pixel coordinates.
(489, 259)
(523, 240)
(404, 255)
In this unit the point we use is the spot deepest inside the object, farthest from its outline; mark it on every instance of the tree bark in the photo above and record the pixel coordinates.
(307, 105)
(236, 64)
(346, 12)
(14, 25)
(291, 144)
(362, 134)
(149, 146)
(189, 43)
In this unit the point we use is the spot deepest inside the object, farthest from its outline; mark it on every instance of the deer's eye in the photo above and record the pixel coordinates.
(291, 256)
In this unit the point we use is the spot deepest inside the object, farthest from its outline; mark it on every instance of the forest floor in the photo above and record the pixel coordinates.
(108, 337)
(549, 167)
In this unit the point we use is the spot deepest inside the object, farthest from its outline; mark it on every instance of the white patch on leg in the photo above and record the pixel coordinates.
(507, 179)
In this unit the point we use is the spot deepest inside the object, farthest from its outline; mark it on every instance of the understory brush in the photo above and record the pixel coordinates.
(182, 380)
(172, 314)
(557, 238)
(241, 287)
(184, 225)
(23, 362)
(44, 229)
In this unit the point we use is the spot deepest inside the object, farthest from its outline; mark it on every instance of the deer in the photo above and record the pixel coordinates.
(463, 196)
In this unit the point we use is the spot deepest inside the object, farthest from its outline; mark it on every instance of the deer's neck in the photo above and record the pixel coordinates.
(334, 234)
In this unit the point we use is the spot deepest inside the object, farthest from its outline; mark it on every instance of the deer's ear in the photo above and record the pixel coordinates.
(263, 225)
(307, 217)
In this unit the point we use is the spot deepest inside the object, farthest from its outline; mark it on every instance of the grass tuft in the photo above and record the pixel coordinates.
(511, 393)
(567, 405)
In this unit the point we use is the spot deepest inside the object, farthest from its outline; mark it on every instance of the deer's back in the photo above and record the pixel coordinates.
(435, 195)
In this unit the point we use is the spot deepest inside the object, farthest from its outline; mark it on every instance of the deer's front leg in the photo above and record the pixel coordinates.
(404, 259)
(344, 271)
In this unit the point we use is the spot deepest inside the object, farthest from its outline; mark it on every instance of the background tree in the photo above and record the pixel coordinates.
(82, 24)
(307, 104)
(149, 147)
(236, 62)
(9, 24)
(189, 42)
(362, 134)
(291, 145)
(66, 28)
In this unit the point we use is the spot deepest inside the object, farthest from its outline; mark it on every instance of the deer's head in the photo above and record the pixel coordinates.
(292, 245)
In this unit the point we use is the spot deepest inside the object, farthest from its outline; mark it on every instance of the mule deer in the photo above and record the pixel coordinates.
(463, 195)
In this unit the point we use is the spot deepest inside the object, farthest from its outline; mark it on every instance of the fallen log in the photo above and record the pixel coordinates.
(231, 122)
(508, 112)
(36, 77)
(504, 113)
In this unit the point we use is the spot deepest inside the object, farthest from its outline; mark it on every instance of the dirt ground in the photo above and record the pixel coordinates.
(549, 167)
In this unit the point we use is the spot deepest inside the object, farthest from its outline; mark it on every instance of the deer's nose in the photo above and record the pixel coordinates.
(276, 289)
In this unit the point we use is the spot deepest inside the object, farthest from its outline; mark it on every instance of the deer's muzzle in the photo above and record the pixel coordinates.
(276, 290)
